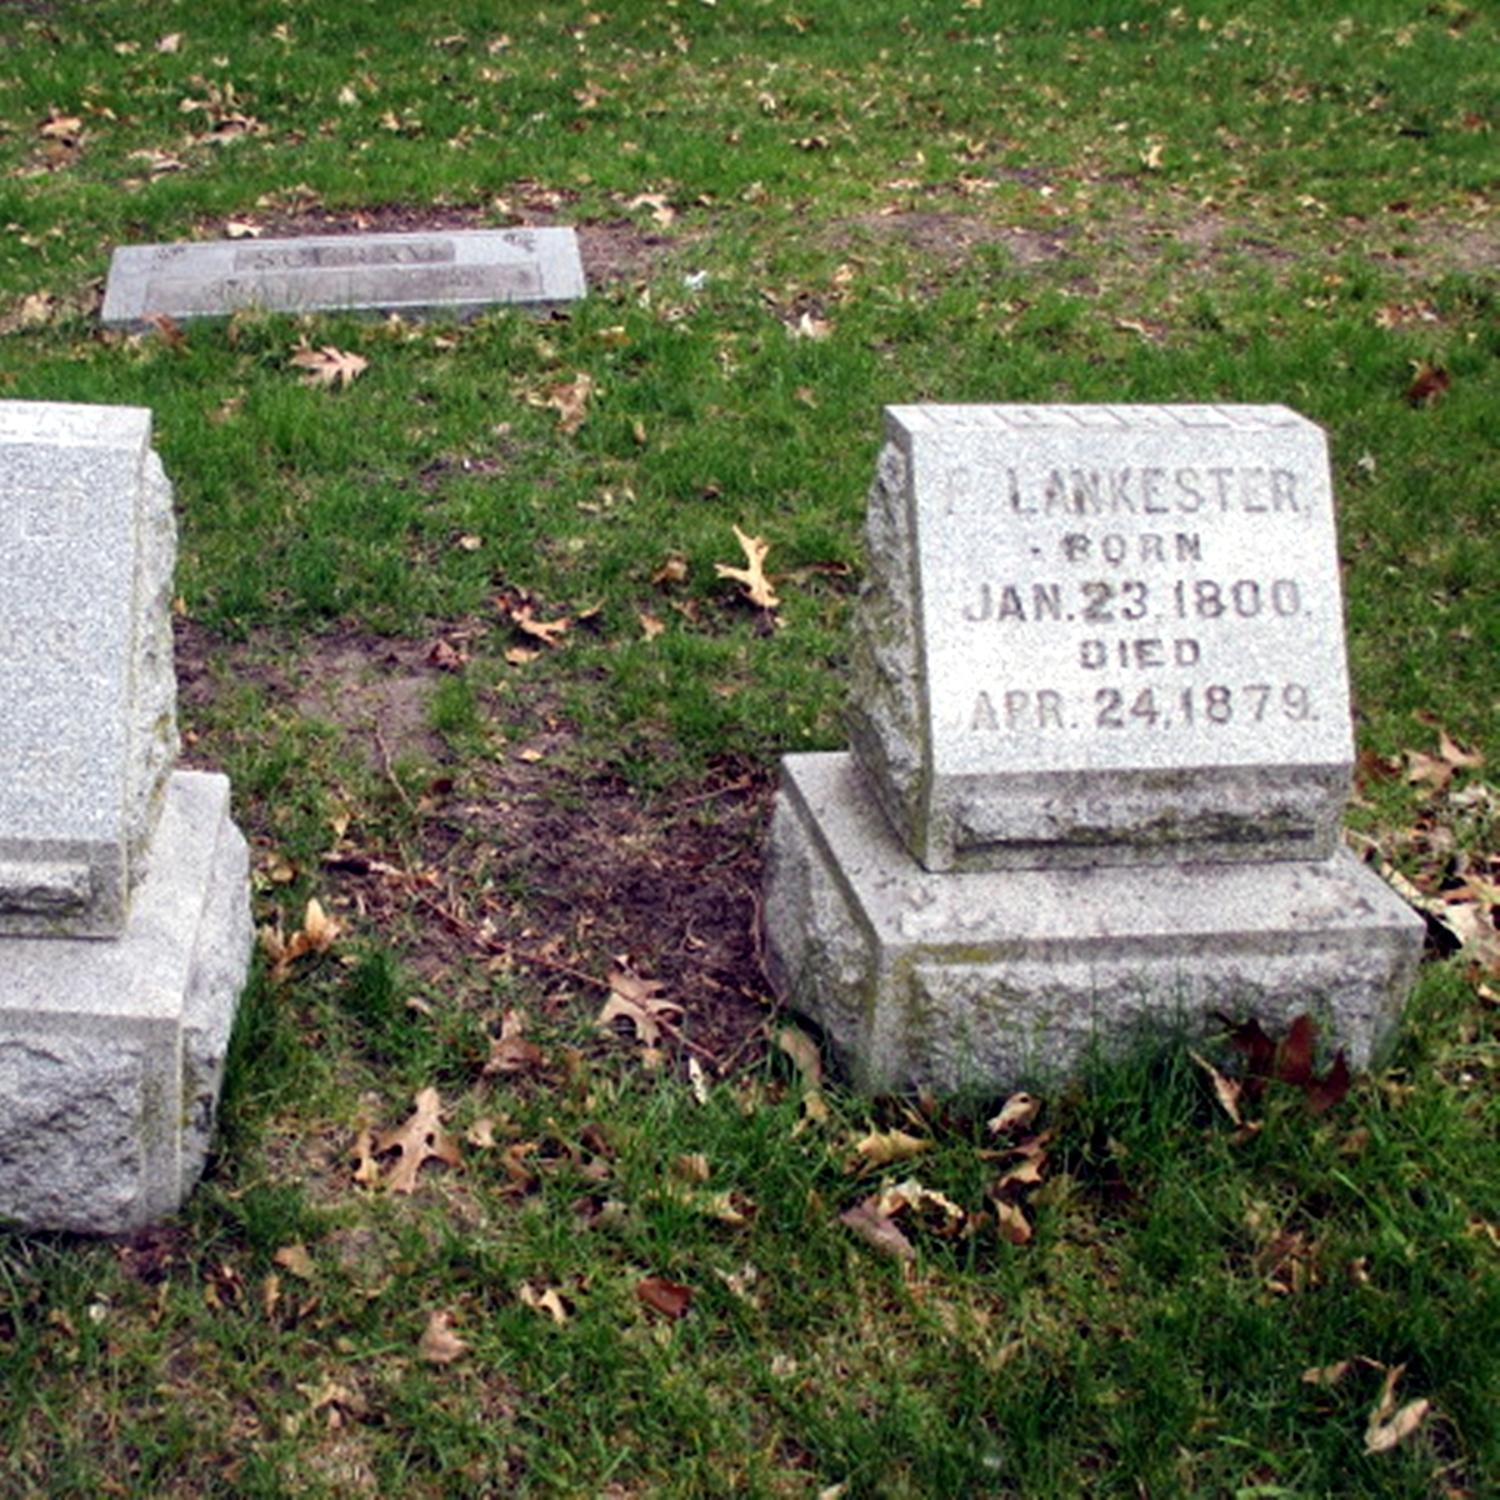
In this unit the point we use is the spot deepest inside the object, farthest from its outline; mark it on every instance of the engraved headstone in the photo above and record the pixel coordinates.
(1104, 634)
(457, 272)
(1101, 745)
(124, 887)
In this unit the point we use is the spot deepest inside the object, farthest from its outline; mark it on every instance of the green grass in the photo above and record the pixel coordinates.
(1123, 202)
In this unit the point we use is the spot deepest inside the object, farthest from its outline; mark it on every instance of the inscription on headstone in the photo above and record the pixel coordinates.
(1123, 640)
(458, 272)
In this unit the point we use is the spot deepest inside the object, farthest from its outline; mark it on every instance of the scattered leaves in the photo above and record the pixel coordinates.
(570, 400)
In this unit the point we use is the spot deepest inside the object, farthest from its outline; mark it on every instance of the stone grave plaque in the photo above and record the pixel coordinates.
(88, 731)
(459, 272)
(1103, 635)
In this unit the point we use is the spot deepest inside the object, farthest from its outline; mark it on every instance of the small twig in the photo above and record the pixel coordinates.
(390, 770)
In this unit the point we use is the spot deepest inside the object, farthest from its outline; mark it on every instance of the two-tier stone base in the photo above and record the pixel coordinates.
(111, 1052)
(979, 981)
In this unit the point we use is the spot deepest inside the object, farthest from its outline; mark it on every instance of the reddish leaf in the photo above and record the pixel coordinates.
(1294, 1054)
(669, 1298)
(1323, 1093)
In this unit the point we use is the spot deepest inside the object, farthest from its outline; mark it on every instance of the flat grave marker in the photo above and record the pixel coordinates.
(459, 272)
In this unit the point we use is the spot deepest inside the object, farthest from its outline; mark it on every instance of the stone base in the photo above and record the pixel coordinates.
(112, 1052)
(980, 981)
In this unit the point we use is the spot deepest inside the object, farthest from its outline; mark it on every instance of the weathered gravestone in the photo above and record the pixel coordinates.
(1101, 747)
(459, 272)
(124, 898)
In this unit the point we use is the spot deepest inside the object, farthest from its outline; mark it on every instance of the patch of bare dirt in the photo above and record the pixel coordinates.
(534, 861)
(553, 870)
(374, 689)
(953, 236)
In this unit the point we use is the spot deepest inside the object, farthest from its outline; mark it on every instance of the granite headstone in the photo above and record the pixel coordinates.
(1101, 745)
(124, 886)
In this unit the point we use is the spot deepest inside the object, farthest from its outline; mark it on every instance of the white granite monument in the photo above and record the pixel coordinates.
(1101, 746)
(124, 898)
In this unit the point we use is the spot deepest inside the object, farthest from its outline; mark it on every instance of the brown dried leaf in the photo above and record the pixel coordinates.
(329, 366)
(757, 586)
(674, 569)
(1387, 1426)
(420, 1139)
(1226, 1090)
(546, 1300)
(1012, 1222)
(880, 1148)
(877, 1230)
(803, 1052)
(523, 617)
(638, 1001)
(1327, 1375)
(651, 625)
(1015, 1114)
(296, 1260)
(669, 1298)
(570, 400)
(439, 1345)
(1428, 383)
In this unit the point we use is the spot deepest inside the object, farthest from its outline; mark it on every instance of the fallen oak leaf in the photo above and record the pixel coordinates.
(638, 1001)
(1012, 1222)
(548, 1300)
(421, 1139)
(523, 617)
(1428, 383)
(757, 586)
(570, 400)
(804, 1054)
(439, 1345)
(296, 1260)
(1226, 1090)
(329, 366)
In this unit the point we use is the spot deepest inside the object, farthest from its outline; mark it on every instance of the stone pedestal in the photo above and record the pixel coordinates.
(112, 1053)
(1101, 744)
(976, 981)
(125, 927)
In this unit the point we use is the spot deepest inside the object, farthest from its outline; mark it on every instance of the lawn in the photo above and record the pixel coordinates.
(457, 631)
